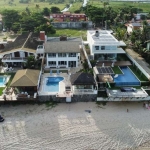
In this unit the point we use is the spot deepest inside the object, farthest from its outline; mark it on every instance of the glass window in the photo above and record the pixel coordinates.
(62, 63)
(72, 63)
(102, 47)
(61, 54)
(50, 63)
(51, 54)
(96, 47)
(72, 54)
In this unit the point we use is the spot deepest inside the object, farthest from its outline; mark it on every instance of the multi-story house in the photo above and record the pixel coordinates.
(103, 45)
(15, 53)
(64, 54)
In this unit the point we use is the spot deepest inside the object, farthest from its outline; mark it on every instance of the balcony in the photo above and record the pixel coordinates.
(14, 59)
(40, 49)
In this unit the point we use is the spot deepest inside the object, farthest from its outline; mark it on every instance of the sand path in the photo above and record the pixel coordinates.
(69, 127)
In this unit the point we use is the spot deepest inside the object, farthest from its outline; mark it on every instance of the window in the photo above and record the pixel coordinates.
(52, 63)
(72, 54)
(72, 63)
(96, 47)
(102, 47)
(62, 63)
(61, 54)
(52, 55)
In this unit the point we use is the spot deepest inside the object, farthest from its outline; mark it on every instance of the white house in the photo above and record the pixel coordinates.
(103, 45)
(63, 54)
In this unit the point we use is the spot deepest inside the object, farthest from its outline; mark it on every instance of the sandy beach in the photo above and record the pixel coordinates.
(69, 126)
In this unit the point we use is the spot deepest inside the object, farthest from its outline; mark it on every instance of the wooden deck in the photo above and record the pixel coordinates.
(117, 63)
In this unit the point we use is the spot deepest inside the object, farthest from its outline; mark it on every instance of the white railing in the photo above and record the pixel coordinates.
(14, 58)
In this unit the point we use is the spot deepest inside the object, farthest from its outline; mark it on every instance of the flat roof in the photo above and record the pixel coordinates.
(104, 37)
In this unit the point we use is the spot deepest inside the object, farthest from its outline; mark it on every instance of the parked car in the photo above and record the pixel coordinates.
(1, 119)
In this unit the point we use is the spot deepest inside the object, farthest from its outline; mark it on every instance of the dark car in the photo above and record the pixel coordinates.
(1, 119)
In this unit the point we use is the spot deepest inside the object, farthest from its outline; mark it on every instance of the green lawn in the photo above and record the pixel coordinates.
(69, 33)
(75, 6)
(144, 6)
(116, 70)
(32, 5)
(1, 90)
(137, 72)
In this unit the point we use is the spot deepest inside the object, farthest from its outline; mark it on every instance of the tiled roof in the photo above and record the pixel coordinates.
(26, 40)
(81, 78)
(26, 78)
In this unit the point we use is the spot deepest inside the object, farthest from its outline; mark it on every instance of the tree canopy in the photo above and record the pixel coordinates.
(27, 21)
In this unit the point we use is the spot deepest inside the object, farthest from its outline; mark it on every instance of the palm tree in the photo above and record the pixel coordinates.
(31, 62)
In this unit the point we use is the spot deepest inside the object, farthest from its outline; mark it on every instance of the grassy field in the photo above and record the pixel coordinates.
(4, 4)
(70, 33)
(116, 70)
(75, 6)
(32, 5)
(140, 76)
(144, 6)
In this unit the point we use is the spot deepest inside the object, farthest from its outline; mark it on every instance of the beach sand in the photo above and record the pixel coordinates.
(69, 127)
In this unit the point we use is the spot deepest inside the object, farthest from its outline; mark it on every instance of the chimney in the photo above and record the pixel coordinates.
(96, 33)
(42, 35)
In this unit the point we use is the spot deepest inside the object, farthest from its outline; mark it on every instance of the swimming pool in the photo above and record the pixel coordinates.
(127, 78)
(3, 80)
(52, 84)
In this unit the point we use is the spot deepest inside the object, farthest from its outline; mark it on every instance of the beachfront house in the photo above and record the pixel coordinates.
(62, 53)
(15, 53)
(103, 45)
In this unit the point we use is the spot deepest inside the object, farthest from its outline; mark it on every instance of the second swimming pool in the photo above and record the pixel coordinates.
(127, 78)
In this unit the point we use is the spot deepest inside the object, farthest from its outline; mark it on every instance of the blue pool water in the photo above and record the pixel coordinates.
(2, 80)
(52, 84)
(126, 79)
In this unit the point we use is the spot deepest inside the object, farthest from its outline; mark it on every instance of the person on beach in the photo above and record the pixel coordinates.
(127, 110)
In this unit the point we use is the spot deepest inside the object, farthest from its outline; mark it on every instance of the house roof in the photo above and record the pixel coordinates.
(25, 78)
(26, 40)
(62, 47)
(103, 38)
(81, 78)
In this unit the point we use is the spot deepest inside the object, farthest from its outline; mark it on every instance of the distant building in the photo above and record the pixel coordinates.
(67, 16)
(134, 26)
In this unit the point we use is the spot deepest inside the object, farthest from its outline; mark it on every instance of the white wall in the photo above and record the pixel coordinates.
(67, 58)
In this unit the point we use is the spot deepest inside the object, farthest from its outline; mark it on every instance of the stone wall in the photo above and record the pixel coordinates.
(75, 98)
(72, 25)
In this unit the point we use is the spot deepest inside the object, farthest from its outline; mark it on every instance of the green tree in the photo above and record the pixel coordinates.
(10, 17)
(31, 62)
(47, 28)
(55, 10)
(46, 11)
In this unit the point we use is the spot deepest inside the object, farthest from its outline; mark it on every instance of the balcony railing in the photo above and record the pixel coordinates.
(14, 58)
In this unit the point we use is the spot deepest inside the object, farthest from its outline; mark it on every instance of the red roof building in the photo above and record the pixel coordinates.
(67, 16)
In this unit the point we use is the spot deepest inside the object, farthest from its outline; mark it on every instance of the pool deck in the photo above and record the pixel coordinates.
(62, 84)
(117, 93)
